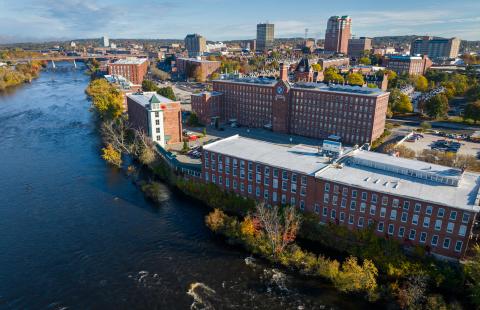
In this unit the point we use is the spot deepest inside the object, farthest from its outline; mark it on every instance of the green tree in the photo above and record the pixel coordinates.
(472, 111)
(437, 106)
(425, 125)
(404, 105)
(332, 76)
(148, 85)
(473, 93)
(355, 79)
(472, 270)
(167, 92)
(365, 61)
(193, 120)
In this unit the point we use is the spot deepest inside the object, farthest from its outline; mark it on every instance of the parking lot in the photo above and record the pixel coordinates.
(428, 140)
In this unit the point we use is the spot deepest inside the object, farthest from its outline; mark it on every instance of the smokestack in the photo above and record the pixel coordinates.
(283, 72)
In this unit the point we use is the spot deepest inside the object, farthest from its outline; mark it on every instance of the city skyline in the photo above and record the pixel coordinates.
(29, 20)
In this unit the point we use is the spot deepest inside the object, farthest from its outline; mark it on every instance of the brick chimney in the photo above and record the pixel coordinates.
(283, 72)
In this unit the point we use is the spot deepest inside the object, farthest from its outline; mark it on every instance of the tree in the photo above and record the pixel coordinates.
(279, 227)
(148, 85)
(106, 99)
(111, 155)
(331, 75)
(421, 83)
(216, 220)
(354, 277)
(472, 111)
(404, 105)
(167, 92)
(437, 106)
(472, 271)
(401, 150)
(316, 67)
(355, 79)
(412, 294)
(425, 125)
(365, 61)
(473, 93)
(193, 120)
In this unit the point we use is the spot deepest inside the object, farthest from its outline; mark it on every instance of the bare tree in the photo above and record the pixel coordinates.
(280, 227)
(115, 133)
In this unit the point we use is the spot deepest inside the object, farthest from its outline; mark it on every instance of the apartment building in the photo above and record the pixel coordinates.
(413, 202)
(156, 115)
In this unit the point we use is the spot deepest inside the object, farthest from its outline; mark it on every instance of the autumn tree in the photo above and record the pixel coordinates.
(355, 79)
(280, 227)
(437, 106)
(216, 220)
(111, 155)
(403, 105)
(316, 67)
(106, 99)
(148, 85)
(332, 76)
(421, 83)
(355, 277)
(472, 270)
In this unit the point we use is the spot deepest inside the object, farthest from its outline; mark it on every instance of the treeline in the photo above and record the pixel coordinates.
(19, 74)
(406, 280)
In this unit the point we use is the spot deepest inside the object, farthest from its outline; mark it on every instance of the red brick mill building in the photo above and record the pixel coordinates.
(355, 114)
(413, 202)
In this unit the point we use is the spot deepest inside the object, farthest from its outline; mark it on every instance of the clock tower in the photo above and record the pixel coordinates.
(280, 106)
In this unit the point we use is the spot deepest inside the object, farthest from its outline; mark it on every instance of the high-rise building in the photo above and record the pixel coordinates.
(436, 47)
(265, 36)
(338, 34)
(106, 42)
(357, 46)
(195, 44)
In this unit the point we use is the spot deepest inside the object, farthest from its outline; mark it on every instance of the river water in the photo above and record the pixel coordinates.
(78, 234)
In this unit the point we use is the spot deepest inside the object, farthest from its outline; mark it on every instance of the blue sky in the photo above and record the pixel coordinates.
(27, 20)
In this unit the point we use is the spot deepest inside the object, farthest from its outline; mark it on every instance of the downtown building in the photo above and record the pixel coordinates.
(356, 47)
(337, 34)
(415, 203)
(354, 114)
(195, 44)
(404, 64)
(436, 47)
(157, 116)
(131, 68)
(265, 37)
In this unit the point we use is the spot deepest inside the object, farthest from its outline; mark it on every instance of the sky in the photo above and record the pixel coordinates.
(42, 20)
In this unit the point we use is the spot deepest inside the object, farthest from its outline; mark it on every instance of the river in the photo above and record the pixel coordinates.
(78, 234)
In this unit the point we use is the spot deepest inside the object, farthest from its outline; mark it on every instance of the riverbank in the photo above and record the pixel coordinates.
(19, 74)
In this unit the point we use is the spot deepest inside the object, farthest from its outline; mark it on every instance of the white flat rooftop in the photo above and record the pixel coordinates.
(144, 98)
(463, 196)
(299, 158)
(130, 61)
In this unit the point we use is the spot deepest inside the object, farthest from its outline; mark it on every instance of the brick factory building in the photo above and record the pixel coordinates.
(157, 116)
(355, 114)
(356, 47)
(338, 34)
(186, 67)
(133, 69)
(403, 64)
(413, 202)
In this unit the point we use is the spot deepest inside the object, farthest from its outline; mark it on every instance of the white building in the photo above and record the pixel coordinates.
(106, 42)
